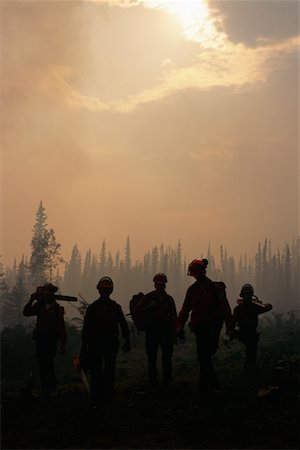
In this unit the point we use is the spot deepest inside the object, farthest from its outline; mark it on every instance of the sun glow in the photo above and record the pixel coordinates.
(195, 18)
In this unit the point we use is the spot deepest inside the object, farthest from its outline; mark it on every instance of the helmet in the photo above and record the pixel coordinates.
(160, 278)
(247, 288)
(50, 287)
(105, 282)
(197, 266)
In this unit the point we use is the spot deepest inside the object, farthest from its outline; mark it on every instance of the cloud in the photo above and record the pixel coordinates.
(233, 65)
(220, 63)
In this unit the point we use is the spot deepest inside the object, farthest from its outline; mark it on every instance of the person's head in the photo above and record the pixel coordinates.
(247, 292)
(46, 292)
(197, 268)
(105, 286)
(160, 280)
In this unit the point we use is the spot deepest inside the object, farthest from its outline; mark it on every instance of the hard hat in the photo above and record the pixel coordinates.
(160, 278)
(50, 287)
(247, 288)
(105, 282)
(197, 266)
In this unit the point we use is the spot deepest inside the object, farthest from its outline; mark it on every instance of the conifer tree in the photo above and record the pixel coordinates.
(45, 250)
(127, 263)
(53, 256)
(72, 281)
(39, 243)
(102, 259)
(15, 299)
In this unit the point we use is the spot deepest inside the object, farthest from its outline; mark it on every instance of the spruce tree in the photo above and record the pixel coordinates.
(45, 250)
(72, 281)
(127, 255)
(39, 243)
(15, 300)
(53, 256)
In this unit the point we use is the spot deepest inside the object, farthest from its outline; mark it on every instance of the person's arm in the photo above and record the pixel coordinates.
(173, 317)
(185, 311)
(225, 307)
(84, 332)
(124, 329)
(31, 308)
(263, 308)
(61, 330)
(83, 356)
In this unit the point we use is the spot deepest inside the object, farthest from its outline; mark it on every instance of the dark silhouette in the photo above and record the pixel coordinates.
(49, 330)
(245, 316)
(100, 343)
(209, 307)
(160, 310)
(138, 312)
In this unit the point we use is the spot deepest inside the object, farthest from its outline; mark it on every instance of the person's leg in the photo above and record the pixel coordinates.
(167, 352)
(109, 372)
(151, 345)
(96, 372)
(207, 343)
(250, 353)
(45, 354)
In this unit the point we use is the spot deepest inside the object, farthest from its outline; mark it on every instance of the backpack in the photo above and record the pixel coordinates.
(137, 312)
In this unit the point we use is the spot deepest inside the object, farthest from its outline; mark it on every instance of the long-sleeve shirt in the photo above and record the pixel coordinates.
(208, 304)
(50, 319)
(101, 321)
(245, 315)
(160, 310)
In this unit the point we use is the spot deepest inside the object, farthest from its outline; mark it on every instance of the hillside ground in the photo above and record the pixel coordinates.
(258, 412)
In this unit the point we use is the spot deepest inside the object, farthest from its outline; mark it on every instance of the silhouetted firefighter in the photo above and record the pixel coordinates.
(157, 313)
(100, 343)
(209, 307)
(245, 316)
(49, 330)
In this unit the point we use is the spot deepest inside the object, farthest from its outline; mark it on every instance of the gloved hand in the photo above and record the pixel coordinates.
(84, 357)
(181, 336)
(126, 346)
(62, 348)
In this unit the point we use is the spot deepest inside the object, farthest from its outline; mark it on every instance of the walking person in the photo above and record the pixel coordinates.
(207, 302)
(245, 316)
(49, 332)
(100, 342)
(159, 312)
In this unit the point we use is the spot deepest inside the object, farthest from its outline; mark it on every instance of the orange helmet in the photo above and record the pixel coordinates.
(105, 282)
(197, 266)
(160, 278)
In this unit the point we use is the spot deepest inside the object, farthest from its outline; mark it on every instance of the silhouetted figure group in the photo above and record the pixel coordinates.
(155, 313)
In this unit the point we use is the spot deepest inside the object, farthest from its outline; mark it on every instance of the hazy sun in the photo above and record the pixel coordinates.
(195, 18)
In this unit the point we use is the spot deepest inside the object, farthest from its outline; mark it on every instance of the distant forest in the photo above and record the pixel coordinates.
(274, 274)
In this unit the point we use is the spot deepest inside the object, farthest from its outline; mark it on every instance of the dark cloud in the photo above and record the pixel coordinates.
(247, 20)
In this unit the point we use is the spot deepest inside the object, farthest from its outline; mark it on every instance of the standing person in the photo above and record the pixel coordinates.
(161, 329)
(245, 316)
(50, 329)
(209, 307)
(100, 342)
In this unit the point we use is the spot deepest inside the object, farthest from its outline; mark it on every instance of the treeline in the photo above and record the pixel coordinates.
(274, 274)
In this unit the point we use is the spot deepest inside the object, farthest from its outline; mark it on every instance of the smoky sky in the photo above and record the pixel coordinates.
(123, 126)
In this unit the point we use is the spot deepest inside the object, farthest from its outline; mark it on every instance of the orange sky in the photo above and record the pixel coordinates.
(150, 120)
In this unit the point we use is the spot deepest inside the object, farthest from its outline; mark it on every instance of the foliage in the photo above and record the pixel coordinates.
(18, 352)
(39, 244)
(275, 275)
(45, 250)
(249, 413)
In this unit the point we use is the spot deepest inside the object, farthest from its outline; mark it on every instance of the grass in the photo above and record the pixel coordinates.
(246, 414)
